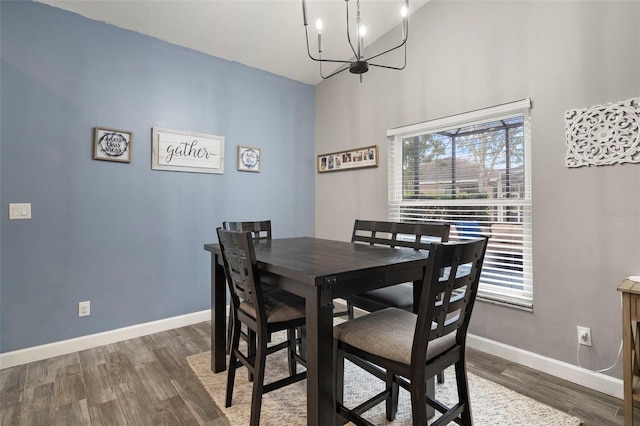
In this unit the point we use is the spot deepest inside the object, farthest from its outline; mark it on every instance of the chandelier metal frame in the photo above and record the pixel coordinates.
(358, 64)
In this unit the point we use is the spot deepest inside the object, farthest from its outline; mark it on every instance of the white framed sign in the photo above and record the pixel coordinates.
(112, 144)
(249, 159)
(182, 151)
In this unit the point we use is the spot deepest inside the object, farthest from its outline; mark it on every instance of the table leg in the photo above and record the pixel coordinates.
(320, 377)
(627, 359)
(218, 314)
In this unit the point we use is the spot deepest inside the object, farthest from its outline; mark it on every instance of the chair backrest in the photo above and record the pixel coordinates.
(447, 300)
(241, 268)
(418, 236)
(260, 230)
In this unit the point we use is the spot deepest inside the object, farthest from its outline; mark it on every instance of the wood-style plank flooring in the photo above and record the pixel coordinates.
(147, 381)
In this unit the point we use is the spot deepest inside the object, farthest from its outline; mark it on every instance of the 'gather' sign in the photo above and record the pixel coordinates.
(187, 151)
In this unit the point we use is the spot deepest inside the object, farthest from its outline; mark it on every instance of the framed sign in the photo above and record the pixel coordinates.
(112, 144)
(186, 151)
(249, 159)
(347, 160)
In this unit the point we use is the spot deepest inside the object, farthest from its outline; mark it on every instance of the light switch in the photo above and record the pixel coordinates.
(19, 211)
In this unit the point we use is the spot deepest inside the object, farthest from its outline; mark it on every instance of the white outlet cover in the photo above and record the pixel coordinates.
(84, 309)
(587, 331)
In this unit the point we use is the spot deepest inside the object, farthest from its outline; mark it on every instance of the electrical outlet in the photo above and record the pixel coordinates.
(584, 336)
(84, 309)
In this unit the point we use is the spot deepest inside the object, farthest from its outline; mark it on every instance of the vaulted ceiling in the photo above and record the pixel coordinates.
(264, 34)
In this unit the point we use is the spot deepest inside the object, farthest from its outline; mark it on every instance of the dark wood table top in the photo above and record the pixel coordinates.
(309, 260)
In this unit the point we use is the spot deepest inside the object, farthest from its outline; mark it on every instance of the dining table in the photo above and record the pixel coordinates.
(319, 270)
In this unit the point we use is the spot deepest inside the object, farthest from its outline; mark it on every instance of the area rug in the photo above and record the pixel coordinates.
(491, 404)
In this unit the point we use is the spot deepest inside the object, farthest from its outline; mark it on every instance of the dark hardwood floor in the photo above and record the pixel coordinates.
(147, 381)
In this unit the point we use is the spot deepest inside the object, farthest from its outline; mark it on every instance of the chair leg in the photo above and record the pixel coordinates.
(418, 392)
(251, 348)
(463, 392)
(233, 362)
(349, 310)
(258, 382)
(338, 357)
(231, 375)
(392, 400)
(302, 334)
(230, 323)
(291, 337)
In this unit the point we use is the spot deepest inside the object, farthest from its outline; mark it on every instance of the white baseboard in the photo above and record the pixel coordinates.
(596, 381)
(581, 376)
(36, 353)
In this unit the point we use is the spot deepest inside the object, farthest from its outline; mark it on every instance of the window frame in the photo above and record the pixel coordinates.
(493, 293)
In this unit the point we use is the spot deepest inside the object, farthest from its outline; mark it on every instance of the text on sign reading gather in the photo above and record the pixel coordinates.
(187, 149)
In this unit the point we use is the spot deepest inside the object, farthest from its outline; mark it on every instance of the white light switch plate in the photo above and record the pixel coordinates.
(19, 211)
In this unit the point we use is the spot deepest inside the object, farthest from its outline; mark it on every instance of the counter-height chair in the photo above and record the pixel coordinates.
(409, 348)
(262, 313)
(260, 231)
(418, 236)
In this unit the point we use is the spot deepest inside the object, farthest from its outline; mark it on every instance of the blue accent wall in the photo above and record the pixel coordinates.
(126, 237)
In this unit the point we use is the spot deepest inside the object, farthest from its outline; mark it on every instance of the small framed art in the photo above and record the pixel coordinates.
(112, 144)
(249, 159)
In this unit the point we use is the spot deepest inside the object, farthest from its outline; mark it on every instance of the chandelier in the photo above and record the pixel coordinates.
(358, 63)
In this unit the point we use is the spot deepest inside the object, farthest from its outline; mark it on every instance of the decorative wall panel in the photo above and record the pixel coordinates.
(603, 134)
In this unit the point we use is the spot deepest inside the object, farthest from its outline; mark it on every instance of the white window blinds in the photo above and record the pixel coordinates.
(472, 171)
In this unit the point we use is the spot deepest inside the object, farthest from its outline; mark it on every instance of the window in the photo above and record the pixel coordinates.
(472, 171)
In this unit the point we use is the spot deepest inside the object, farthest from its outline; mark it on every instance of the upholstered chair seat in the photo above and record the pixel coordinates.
(389, 334)
(279, 306)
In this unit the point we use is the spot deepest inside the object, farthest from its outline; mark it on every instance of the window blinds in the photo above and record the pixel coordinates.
(472, 171)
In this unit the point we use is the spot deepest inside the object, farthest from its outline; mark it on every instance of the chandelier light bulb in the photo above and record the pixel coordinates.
(363, 30)
(404, 11)
(319, 28)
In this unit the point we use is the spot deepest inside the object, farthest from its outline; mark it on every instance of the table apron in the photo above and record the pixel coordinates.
(355, 283)
(349, 283)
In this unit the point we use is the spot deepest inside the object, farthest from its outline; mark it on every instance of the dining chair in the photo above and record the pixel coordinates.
(408, 348)
(263, 313)
(418, 236)
(260, 231)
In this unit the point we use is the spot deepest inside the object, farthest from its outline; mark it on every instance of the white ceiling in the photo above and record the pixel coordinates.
(264, 34)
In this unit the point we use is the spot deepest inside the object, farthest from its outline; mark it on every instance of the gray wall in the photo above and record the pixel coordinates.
(128, 238)
(464, 56)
